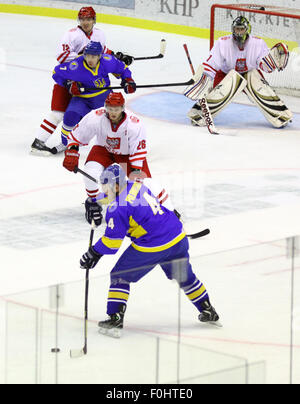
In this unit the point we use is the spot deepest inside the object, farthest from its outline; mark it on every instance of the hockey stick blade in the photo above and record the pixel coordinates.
(77, 353)
(198, 235)
(163, 45)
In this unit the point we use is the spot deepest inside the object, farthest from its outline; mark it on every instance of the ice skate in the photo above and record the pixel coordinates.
(113, 325)
(58, 149)
(39, 148)
(209, 314)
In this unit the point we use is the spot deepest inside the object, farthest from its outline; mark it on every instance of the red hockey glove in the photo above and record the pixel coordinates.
(129, 86)
(74, 88)
(71, 159)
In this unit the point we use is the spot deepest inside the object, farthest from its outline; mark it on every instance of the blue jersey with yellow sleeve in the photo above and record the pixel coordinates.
(79, 71)
(136, 213)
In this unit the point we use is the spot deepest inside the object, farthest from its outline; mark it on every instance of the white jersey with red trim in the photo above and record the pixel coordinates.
(126, 138)
(74, 42)
(159, 192)
(226, 55)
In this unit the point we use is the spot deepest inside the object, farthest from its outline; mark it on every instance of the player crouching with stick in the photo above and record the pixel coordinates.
(237, 63)
(157, 238)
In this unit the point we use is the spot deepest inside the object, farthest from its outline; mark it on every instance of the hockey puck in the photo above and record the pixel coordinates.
(55, 350)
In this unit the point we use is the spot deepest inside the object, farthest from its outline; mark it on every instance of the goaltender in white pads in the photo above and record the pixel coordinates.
(235, 64)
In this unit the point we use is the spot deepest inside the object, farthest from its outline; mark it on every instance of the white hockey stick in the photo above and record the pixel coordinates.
(161, 54)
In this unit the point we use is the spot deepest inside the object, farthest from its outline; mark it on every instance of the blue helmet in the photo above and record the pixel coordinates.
(112, 175)
(93, 48)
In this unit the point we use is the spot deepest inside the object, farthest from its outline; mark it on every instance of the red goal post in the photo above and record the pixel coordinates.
(273, 24)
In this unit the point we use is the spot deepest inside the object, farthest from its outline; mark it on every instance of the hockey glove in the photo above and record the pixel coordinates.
(90, 259)
(127, 59)
(93, 212)
(74, 88)
(71, 159)
(128, 85)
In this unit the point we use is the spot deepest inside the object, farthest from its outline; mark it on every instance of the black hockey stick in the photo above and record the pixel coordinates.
(159, 56)
(200, 234)
(182, 83)
(77, 353)
(77, 170)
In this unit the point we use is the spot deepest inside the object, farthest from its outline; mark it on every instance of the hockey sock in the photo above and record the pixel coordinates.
(197, 293)
(49, 125)
(118, 294)
(71, 119)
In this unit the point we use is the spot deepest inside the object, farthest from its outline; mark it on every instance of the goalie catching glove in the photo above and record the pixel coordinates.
(277, 58)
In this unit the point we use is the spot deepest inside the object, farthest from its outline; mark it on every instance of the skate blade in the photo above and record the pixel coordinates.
(41, 153)
(215, 324)
(111, 332)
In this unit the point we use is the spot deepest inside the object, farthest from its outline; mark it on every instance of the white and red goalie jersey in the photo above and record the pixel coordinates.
(127, 138)
(226, 56)
(75, 40)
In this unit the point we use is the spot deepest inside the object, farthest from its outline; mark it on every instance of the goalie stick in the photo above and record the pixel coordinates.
(203, 103)
(208, 117)
(163, 45)
(192, 236)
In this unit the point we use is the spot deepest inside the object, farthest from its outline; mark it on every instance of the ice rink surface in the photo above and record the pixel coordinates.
(243, 185)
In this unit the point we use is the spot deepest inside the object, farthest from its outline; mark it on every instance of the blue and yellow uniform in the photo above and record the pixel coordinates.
(157, 238)
(98, 78)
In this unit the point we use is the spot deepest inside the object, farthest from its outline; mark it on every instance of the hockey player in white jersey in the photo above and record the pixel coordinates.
(237, 63)
(70, 47)
(119, 137)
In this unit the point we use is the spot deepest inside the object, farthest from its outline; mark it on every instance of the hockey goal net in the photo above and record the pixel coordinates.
(273, 24)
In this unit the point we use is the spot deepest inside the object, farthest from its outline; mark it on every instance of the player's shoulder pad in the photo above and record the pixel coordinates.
(112, 208)
(133, 118)
(106, 57)
(74, 64)
(73, 29)
(99, 112)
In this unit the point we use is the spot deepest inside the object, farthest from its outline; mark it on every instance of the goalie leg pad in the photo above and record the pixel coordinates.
(261, 94)
(223, 94)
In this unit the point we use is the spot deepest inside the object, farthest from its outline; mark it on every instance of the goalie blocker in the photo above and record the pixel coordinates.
(253, 84)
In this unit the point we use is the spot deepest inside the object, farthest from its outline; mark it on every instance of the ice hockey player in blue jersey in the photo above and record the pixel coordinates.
(87, 72)
(157, 237)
